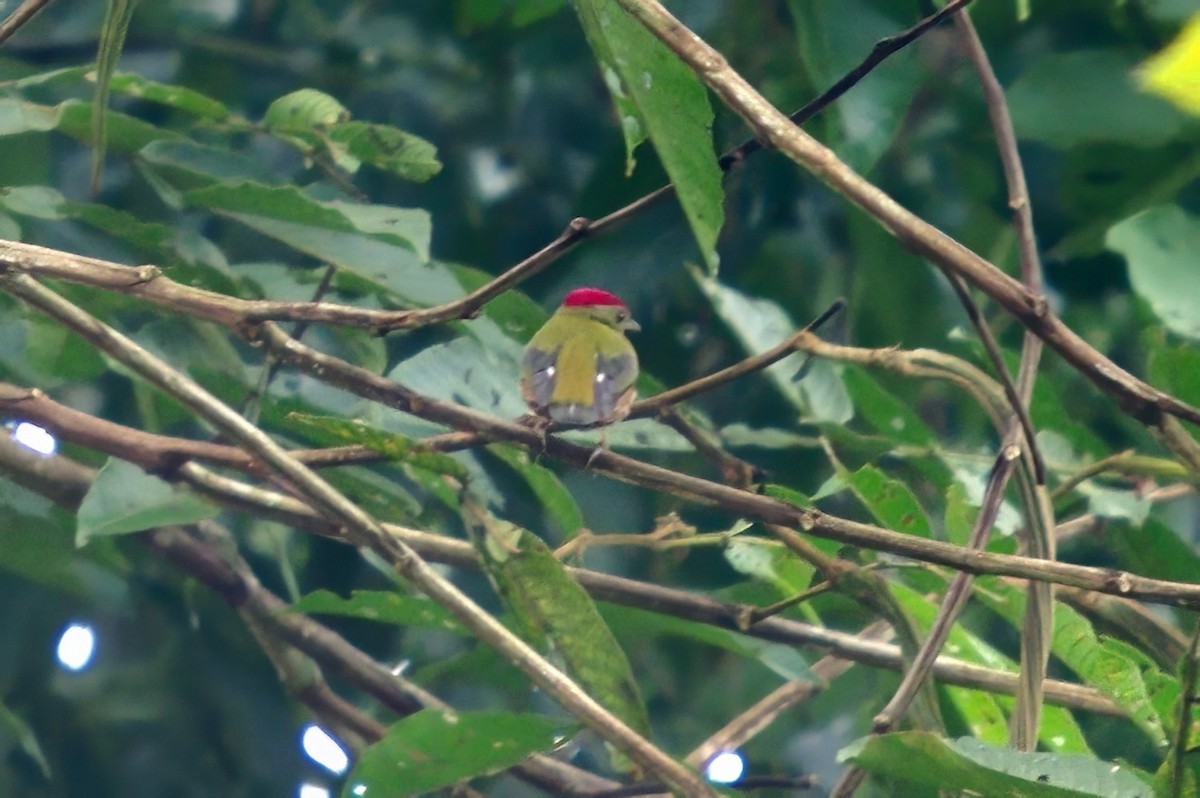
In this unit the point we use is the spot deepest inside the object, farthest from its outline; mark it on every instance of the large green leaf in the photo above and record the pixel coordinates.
(125, 499)
(658, 97)
(181, 98)
(1129, 678)
(980, 711)
(384, 606)
(436, 748)
(1160, 246)
(556, 614)
(783, 660)
(558, 502)
(260, 206)
(968, 764)
(890, 501)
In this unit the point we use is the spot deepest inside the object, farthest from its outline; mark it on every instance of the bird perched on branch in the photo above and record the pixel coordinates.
(579, 368)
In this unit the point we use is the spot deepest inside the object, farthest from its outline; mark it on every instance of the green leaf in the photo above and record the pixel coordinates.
(656, 95)
(39, 202)
(981, 711)
(968, 764)
(784, 661)
(59, 354)
(385, 606)
(302, 110)
(385, 147)
(1133, 682)
(435, 748)
(1160, 246)
(123, 133)
(556, 614)
(11, 725)
(190, 165)
(1153, 549)
(38, 544)
(117, 16)
(333, 430)
(319, 123)
(19, 116)
(1176, 370)
(526, 12)
(546, 486)
(890, 501)
(760, 324)
(960, 516)
(179, 97)
(258, 206)
(125, 499)
(769, 561)
(1086, 96)
(890, 417)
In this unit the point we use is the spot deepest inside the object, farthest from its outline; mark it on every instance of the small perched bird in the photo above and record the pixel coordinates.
(579, 369)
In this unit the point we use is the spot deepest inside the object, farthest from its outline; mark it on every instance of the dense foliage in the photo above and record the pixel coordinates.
(390, 156)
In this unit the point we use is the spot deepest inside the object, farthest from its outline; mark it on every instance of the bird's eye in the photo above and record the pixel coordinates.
(622, 315)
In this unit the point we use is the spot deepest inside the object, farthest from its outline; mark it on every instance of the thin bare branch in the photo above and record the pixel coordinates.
(19, 16)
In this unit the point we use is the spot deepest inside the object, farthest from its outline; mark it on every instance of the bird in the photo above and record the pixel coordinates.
(579, 369)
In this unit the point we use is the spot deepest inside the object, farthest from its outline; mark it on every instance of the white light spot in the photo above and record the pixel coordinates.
(359, 789)
(1058, 740)
(725, 768)
(549, 371)
(76, 646)
(324, 750)
(313, 791)
(601, 377)
(31, 436)
(493, 178)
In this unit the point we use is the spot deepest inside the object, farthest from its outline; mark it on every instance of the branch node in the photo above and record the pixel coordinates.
(145, 274)
(1120, 582)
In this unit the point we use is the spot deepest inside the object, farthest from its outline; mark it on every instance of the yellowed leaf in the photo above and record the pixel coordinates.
(1174, 72)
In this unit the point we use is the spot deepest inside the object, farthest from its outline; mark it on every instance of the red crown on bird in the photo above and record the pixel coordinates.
(590, 296)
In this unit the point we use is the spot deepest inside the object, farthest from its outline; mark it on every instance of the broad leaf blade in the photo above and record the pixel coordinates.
(125, 499)
(658, 97)
(435, 748)
(968, 764)
(557, 614)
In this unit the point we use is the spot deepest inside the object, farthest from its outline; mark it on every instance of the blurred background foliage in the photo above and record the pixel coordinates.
(483, 128)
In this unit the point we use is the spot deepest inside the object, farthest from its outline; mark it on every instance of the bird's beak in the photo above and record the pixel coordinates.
(629, 325)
